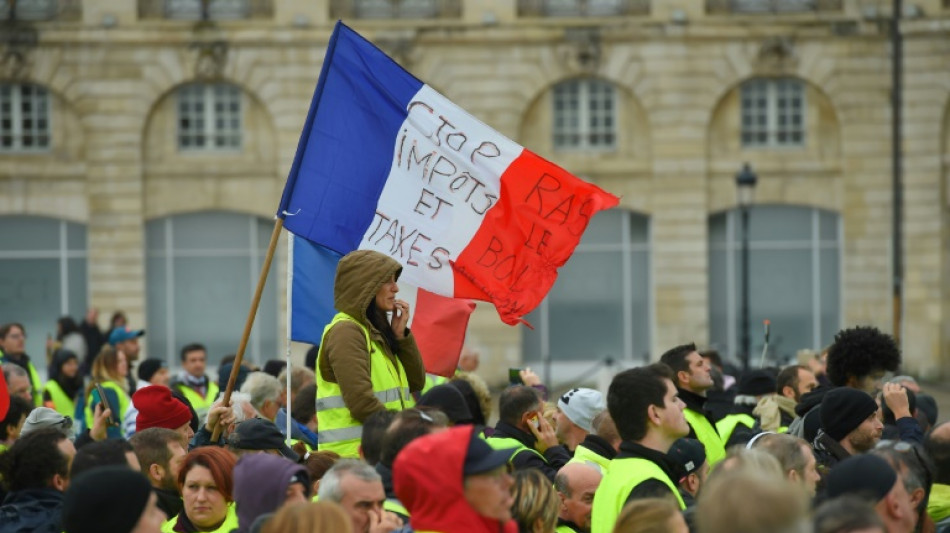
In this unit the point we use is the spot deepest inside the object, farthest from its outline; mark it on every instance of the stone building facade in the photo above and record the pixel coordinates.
(165, 132)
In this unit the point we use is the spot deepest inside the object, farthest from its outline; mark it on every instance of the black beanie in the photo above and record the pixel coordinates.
(110, 498)
(843, 409)
(757, 383)
(448, 400)
(149, 367)
(866, 476)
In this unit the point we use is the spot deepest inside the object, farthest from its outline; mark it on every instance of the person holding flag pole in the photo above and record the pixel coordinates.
(386, 163)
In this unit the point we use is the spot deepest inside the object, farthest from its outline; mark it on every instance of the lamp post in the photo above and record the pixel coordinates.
(745, 188)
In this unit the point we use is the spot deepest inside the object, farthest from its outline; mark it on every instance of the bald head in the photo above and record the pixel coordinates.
(937, 445)
(576, 484)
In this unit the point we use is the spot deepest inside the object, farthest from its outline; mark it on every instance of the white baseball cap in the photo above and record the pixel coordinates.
(581, 406)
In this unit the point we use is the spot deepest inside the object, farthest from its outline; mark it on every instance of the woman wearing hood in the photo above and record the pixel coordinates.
(367, 362)
(65, 383)
(454, 482)
(263, 484)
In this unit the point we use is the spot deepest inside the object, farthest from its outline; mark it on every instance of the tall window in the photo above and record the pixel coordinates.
(201, 271)
(42, 275)
(600, 305)
(24, 118)
(794, 279)
(773, 112)
(209, 117)
(585, 115)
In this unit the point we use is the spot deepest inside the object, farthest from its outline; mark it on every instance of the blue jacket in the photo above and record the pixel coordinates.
(32, 511)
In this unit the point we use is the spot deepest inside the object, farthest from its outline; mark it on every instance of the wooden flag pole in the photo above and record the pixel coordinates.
(255, 303)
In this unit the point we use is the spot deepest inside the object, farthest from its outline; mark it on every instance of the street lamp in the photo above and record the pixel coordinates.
(745, 188)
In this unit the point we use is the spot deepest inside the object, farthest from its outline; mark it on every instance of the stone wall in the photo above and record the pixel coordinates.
(114, 162)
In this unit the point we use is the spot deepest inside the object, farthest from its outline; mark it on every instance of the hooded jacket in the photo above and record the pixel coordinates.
(428, 478)
(260, 485)
(343, 357)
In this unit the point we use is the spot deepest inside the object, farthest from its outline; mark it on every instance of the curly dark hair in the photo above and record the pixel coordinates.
(33, 460)
(859, 352)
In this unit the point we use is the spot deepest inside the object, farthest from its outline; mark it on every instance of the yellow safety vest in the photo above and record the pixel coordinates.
(63, 404)
(123, 403)
(624, 475)
(564, 529)
(706, 433)
(230, 522)
(508, 443)
(338, 430)
(35, 383)
(938, 506)
(586, 456)
(728, 424)
(432, 380)
(395, 506)
(200, 404)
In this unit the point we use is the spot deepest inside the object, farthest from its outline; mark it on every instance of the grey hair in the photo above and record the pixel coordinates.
(261, 387)
(13, 370)
(331, 489)
(237, 400)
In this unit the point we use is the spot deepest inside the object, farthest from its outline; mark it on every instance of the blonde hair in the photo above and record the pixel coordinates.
(535, 498)
(318, 516)
(647, 515)
(744, 500)
(105, 367)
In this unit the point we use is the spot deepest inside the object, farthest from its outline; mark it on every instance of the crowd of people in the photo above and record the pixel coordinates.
(833, 443)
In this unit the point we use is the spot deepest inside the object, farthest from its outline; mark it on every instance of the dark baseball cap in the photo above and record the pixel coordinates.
(481, 457)
(688, 454)
(260, 434)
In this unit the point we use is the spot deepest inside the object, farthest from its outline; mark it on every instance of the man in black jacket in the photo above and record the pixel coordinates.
(36, 470)
(521, 426)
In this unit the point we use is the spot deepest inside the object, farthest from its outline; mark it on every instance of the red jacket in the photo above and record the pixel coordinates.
(428, 479)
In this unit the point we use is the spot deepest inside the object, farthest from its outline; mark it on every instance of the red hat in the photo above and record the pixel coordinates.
(158, 409)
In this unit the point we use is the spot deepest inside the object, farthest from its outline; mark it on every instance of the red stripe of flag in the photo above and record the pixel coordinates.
(531, 231)
(439, 327)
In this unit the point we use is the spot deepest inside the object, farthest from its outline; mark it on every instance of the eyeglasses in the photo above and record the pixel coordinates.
(904, 447)
(422, 414)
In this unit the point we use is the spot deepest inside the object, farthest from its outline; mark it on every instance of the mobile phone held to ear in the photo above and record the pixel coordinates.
(514, 376)
(113, 414)
(535, 421)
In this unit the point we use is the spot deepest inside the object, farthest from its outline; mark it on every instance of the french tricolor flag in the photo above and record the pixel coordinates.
(387, 163)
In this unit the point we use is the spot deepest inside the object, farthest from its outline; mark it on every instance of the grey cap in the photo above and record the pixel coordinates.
(44, 417)
(581, 406)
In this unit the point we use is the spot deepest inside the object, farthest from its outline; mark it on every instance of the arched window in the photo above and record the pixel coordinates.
(24, 118)
(600, 305)
(42, 276)
(209, 117)
(585, 115)
(201, 271)
(794, 279)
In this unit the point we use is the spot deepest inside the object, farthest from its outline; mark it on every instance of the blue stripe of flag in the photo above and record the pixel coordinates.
(347, 144)
(314, 268)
